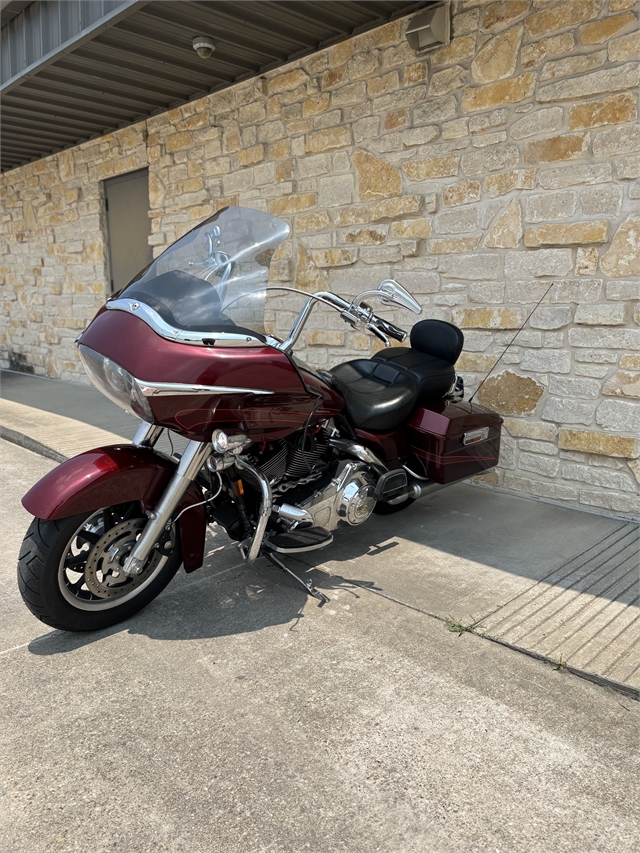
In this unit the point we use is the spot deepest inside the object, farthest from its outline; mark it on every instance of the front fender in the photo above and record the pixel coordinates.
(113, 475)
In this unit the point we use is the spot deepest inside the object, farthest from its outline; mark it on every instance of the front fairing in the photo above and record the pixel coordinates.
(189, 332)
(270, 400)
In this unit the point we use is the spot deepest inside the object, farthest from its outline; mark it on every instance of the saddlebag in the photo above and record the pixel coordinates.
(454, 441)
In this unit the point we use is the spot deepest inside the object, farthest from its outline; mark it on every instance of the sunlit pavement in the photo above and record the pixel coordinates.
(233, 714)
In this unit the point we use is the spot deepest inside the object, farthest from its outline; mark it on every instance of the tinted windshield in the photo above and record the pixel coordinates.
(214, 279)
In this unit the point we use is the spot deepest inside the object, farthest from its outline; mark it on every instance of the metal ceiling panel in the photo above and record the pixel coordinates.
(43, 30)
(75, 70)
(10, 8)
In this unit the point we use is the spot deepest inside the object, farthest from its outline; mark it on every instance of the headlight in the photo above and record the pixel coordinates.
(220, 441)
(115, 382)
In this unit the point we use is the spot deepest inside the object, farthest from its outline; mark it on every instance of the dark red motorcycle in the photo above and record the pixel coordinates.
(280, 455)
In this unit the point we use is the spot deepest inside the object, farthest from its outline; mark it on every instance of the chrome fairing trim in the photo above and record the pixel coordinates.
(151, 317)
(176, 389)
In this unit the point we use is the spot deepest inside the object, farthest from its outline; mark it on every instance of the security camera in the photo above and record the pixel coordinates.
(203, 46)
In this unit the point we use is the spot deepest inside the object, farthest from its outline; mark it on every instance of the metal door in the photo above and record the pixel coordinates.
(129, 226)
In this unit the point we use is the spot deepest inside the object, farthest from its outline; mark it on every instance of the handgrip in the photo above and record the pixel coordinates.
(382, 329)
(389, 329)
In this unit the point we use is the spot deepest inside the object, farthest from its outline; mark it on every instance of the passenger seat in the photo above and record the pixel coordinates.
(435, 348)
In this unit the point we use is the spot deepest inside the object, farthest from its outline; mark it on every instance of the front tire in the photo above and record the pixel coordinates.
(70, 569)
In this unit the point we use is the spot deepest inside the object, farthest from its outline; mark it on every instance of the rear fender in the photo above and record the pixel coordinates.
(113, 475)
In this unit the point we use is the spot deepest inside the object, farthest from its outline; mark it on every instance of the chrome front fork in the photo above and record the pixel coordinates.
(147, 435)
(191, 462)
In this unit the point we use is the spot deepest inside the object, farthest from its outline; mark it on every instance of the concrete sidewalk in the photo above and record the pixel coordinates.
(233, 715)
(556, 583)
(61, 419)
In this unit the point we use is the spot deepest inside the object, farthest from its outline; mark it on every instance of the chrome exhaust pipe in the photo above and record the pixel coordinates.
(417, 490)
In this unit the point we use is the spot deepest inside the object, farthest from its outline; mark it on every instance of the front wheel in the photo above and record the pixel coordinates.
(70, 570)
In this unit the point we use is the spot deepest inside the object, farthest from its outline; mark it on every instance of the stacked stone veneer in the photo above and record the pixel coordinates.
(478, 175)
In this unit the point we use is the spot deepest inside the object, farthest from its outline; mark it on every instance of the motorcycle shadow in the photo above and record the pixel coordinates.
(218, 603)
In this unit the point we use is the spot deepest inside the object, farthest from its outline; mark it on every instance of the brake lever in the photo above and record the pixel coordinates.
(376, 331)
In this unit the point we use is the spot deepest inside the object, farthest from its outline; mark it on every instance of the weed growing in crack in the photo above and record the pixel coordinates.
(460, 628)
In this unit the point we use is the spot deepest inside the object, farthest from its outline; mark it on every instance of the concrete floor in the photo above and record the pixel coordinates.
(71, 399)
(234, 715)
(545, 579)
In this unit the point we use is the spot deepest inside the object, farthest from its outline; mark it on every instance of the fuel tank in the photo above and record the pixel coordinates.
(265, 396)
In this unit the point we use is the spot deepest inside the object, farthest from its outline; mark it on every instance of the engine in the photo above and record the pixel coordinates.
(307, 475)
(346, 496)
(311, 486)
(301, 459)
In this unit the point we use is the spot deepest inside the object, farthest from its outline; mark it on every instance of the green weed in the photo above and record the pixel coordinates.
(460, 628)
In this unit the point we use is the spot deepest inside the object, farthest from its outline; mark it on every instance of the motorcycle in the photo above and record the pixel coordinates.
(279, 454)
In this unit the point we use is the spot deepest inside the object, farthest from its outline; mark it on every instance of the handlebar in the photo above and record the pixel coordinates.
(363, 315)
(358, 315)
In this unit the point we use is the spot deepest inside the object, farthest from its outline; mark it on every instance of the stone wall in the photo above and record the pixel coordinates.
(53, 256)
(479, 175)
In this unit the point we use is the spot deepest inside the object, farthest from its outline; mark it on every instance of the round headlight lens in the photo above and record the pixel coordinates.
(115, 382)
(220, 441)
(118, 378)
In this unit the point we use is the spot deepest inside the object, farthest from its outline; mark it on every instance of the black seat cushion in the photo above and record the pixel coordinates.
(378, 396)
(434, 376)
(437, 338)
(435, 347)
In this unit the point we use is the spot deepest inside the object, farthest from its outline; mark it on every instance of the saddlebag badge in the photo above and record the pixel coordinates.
(476, 436)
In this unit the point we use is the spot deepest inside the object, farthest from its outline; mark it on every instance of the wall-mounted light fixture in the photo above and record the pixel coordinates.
(430, 29)
(203, 46)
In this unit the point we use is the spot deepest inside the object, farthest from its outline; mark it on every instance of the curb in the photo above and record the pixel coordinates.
(31, 444)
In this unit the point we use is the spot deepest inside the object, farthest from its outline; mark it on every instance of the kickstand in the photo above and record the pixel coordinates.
(309, 587)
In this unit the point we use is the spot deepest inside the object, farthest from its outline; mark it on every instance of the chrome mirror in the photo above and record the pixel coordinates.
(213, 239)
(394, 293)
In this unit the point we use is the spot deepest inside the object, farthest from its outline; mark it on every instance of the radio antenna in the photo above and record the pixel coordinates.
(510, 342)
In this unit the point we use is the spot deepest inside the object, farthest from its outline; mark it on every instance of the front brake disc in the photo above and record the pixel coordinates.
(103, 573)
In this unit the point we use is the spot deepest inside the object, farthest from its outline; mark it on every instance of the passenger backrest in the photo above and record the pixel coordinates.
(437, 338)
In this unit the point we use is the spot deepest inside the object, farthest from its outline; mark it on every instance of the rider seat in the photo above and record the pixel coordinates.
(380, 393)
(378, 396)
(435, 347)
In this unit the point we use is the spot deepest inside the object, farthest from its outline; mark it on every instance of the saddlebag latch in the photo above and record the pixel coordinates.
(475, 436)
